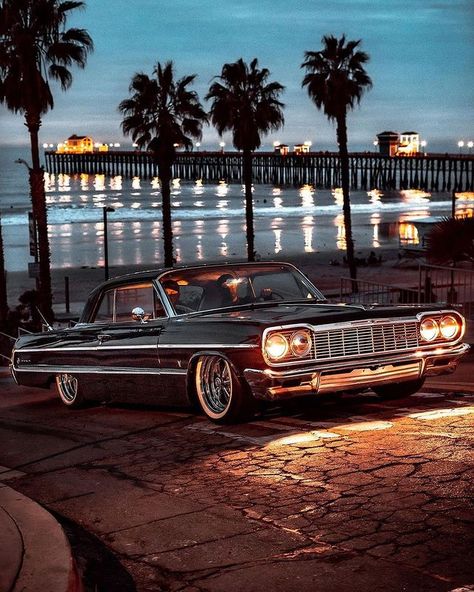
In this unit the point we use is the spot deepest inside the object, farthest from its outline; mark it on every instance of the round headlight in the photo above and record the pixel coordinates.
(448, 326)
(429, 329)
(300, 343)
(276, 346)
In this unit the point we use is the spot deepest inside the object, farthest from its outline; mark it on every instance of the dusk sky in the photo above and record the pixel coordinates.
(422, 58)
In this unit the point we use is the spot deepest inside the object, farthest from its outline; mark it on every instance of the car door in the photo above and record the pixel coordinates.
(127, 352)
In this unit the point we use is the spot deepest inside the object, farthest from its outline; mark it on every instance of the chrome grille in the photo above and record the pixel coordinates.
(365, 339)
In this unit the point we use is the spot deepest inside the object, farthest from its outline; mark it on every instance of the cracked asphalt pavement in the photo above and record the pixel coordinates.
(337, 494)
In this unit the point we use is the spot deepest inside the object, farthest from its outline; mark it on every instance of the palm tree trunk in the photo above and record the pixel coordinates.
(38, 199)
(247, 177)
(3, 284)
(165, 178)
(346, 207)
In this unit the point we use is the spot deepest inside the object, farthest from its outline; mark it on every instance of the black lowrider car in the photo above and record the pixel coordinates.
(227, 336)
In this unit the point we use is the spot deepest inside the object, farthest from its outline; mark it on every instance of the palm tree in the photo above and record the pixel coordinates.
(336, 80)
(36, 48)
(245, 103)
(163, 113)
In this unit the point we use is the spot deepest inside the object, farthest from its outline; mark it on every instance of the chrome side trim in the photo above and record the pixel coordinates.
(98, 370)
(208, 346)
(29, 350)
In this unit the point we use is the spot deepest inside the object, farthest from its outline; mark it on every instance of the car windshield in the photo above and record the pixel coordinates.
(200, 289)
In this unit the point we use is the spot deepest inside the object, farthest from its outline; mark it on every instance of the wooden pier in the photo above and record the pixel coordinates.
(322, 170)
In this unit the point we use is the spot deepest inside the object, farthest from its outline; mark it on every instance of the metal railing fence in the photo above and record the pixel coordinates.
(437, 284)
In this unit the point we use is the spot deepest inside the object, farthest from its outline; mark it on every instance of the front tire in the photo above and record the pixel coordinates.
(399, 390)
(69, 390)
(221, 395)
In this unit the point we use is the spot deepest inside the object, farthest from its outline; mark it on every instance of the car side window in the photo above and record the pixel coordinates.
(105, 312)
(116, 305)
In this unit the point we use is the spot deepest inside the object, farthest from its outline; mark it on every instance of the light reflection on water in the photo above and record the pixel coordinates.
(288, 221)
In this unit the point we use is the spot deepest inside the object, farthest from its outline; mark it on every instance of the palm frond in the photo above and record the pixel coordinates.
(36, 47)
(335, 76)
(244, 104)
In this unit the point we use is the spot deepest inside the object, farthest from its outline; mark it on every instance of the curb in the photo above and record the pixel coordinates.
(34, 551)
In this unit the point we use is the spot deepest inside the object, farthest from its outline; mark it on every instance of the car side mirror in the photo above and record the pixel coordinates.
(138, 314)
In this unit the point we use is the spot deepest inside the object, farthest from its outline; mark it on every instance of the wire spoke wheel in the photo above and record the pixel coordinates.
(68, 389)
(214, 385)
(223, 395)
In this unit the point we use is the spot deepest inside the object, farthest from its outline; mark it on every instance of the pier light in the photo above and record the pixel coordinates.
(276, 144)
(460, 145)
(423, 144)
(116, 145)
(308, 143)
(222, 145)
(198, 144)
(470, 144)
(45, 145)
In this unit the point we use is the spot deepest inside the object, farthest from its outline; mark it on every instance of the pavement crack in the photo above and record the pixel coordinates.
(148, 522)
(93, 443)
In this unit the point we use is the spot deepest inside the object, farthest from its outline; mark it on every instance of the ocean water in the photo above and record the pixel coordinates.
(208, 218)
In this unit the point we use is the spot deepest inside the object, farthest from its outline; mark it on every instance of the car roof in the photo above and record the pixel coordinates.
(149, 274)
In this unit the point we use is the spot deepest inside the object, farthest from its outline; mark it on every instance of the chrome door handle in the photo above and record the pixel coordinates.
(103, 337)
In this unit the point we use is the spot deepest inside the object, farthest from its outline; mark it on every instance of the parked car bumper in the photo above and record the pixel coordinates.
(272, 384)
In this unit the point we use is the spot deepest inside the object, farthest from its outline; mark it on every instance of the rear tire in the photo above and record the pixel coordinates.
(220, 393)
(399, 390)
(69, 390)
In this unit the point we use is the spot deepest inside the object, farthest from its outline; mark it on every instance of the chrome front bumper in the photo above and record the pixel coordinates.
(270, 384)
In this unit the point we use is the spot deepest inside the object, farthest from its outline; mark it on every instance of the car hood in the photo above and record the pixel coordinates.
(312, 312)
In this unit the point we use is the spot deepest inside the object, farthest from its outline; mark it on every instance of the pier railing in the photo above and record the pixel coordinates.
(320, 169)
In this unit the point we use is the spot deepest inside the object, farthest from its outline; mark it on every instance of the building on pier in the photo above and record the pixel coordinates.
(80, 145)
(408, 144)
(395, 144)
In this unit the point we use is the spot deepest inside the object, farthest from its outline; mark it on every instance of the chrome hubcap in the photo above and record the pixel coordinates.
(68, 385)
(215, 384)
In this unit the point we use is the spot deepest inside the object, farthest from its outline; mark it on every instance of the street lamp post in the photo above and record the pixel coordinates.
(470, 144)
(460, 146)
(106, 210)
